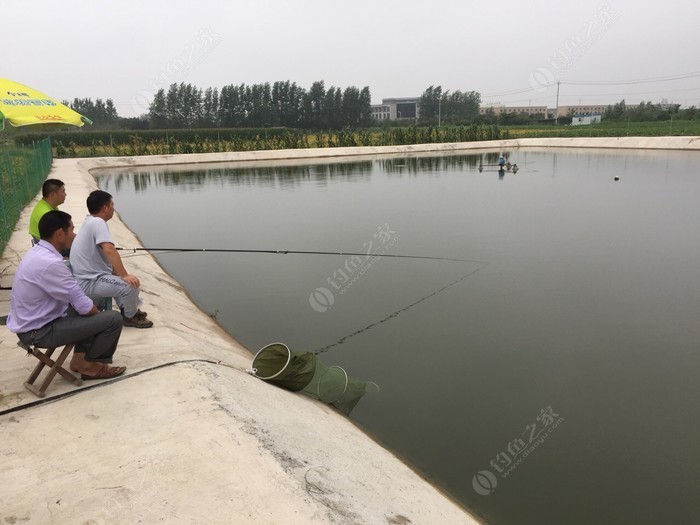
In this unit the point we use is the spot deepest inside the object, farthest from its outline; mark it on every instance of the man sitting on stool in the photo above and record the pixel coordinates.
(98, 267)
(48, 308)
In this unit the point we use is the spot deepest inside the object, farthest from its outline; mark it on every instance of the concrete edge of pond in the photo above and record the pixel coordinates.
(669, 143)
(199, 439)
(186, 435)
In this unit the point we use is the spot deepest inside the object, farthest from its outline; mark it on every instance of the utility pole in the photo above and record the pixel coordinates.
(439, 109)
(556, 114)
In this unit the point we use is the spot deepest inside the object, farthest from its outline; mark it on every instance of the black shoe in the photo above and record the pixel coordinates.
(139, 314)
(137, 322)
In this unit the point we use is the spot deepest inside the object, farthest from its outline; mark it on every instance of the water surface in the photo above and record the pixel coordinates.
(561, 363)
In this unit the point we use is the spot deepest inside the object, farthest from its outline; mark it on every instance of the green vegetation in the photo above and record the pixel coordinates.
(22, 171)
(162, 142)
(283, 115)
(261, 105)
(646, 111)
(441, 107)
(627, 128)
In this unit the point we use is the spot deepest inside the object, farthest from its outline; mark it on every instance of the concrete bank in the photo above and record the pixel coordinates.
(303, 155)
(199, 440)
(192, 442)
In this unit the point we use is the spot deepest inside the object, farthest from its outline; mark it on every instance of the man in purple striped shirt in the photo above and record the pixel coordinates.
(49, 309)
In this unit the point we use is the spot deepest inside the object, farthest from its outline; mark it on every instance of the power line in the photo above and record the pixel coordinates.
(650, 80)
(625, 93)
(517, 92)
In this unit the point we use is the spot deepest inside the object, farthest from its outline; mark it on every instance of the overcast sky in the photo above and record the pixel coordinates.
(511, 51)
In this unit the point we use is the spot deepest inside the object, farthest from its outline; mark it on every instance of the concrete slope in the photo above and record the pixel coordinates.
(184, 442)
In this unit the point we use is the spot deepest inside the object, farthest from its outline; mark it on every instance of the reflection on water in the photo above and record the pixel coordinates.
(416, 165)
(285, 176)
(556, 383)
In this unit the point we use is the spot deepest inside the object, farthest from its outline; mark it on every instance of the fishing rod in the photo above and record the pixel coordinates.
(297, 252)
(285, 252)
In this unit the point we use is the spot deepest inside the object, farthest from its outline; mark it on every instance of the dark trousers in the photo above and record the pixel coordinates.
(96, 336)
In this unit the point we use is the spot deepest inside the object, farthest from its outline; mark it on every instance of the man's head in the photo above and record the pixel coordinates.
(54, 192)
(100, 204)
(56, 227)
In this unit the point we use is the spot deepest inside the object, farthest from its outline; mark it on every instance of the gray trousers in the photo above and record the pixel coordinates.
(112, 286)
(96, 335)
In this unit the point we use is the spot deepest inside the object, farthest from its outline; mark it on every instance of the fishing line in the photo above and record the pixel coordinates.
(282, 252)
(396, 313)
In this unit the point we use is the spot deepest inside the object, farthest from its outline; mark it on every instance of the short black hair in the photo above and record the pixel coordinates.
(49, 186)
(97, 199)
(51, 222)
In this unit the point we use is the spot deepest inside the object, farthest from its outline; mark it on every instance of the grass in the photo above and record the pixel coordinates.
(94, 144)
(609, 129)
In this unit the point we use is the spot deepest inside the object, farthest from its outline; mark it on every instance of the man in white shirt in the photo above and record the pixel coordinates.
(48, 308)
(98, 267)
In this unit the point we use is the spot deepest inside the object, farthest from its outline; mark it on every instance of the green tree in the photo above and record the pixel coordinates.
(332, 110)
(430, 103)
(616, 112)
(314, 104)
(103, 114)
(210, 107)
(351, 107)
(157, 113)
(454, 108)
(365, 107)
(231, 106)
(489, 117)
(173, 111)
(286, 103)
(190, 102)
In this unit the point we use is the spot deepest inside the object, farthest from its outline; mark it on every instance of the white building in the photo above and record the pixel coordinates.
(582, 120)
(397, 109)
(498, 109)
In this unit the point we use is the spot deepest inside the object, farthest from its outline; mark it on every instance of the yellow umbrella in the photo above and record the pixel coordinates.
(22, 106)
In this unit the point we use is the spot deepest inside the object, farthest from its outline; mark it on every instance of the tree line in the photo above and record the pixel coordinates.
(441, 106)
(282, 103)
(102, 113)
(647, 111)
(286, 104)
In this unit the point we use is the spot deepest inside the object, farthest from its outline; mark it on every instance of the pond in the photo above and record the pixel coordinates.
(550, 376)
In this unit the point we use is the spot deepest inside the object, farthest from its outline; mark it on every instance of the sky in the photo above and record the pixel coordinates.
(512, 52)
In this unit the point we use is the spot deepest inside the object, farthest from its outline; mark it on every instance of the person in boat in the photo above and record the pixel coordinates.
(501, 162)
(48, 308)
(98, 267)
(515, 168)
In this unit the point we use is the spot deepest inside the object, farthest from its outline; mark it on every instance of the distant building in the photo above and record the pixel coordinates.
(570, 111)
(409, 108)
(397, 109)
(582, 120)
(380, 111)
(498, 109)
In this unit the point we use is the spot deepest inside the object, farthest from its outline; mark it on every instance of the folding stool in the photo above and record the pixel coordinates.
(54, 368)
